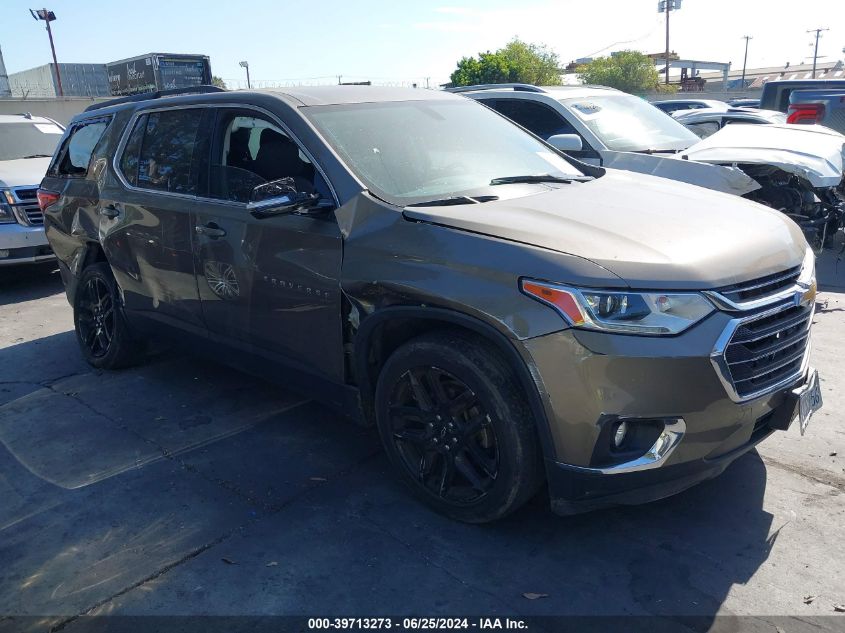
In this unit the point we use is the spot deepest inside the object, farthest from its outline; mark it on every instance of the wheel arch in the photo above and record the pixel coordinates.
(384, 331)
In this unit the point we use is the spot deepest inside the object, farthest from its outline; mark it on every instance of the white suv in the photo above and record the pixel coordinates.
(26, 146)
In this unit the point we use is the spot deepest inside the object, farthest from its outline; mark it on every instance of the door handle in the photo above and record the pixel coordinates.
(110, 211)
(210, 230)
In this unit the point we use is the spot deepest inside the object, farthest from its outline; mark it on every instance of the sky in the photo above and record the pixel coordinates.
(289, 42)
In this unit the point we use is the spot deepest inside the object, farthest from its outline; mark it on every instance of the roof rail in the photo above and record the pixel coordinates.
(158, 94)
(515, 87)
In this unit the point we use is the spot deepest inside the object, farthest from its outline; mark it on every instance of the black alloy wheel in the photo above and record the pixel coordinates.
(96, 317)
(444, 434)
(457, 428)
(104, 338)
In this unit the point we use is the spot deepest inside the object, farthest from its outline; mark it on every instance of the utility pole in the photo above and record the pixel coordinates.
(818, 33)
(745, 59)
(668, 10)
(49, 16)
(667, 6)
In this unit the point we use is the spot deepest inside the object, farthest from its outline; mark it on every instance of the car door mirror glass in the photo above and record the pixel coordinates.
(566, 142)
(280, 197)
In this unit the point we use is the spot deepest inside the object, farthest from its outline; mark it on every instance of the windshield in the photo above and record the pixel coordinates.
(412, 151)
(625, 123)
(25, 139)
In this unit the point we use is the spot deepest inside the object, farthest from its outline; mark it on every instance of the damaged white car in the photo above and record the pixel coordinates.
(797, 170)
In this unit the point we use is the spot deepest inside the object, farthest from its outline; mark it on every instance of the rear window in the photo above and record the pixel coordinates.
(75, 154)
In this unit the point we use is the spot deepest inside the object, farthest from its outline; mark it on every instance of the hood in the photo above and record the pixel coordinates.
(812, 152)
(652, 232)
(716, 177)
(23, 172)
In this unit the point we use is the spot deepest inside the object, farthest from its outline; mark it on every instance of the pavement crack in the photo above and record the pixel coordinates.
(190, 555)
(818, 476)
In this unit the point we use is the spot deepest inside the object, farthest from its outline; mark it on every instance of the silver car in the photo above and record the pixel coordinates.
(707, 121)
(26, 145)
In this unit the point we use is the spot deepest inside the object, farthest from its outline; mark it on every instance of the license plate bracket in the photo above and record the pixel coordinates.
(809, 399)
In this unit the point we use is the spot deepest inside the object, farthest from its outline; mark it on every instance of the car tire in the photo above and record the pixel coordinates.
(457, 427)
(101, 329)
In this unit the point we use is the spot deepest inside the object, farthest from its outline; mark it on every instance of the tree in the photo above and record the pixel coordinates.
(629, 71)
(217, 81)
(517, 62)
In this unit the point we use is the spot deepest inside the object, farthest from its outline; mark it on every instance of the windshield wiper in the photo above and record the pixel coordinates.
(37, 156)
(656, 151)
(454, 200)
(507, 180)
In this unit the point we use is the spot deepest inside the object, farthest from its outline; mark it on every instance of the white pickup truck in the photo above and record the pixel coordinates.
(26, 146)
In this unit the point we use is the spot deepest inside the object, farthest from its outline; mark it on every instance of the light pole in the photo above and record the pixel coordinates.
(245, 64)
(745, 59)
(49, 16)
(818, 33)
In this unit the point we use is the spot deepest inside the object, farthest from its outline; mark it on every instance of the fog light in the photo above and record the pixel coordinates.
(4, 253)
(619, 434)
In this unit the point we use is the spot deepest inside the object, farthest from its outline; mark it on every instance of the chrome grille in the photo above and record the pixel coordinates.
(761, 287)
(768, 350)
(26, 209)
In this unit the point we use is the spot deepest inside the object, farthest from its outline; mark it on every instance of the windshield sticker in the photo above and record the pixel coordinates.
(586, 108)
(48, 128)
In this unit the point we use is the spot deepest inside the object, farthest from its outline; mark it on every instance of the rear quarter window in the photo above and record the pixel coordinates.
(74, 157)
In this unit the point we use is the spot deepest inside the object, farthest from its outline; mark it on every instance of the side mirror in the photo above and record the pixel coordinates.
(566, 142)
(296, 202)
(279, 197)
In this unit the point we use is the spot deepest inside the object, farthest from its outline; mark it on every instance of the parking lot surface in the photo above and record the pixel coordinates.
(182, 487)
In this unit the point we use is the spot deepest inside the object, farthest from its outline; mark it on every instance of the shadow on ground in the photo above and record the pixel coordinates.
(25, 283)
(183, 487)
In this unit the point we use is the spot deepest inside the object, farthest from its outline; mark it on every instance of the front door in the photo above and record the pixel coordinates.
(272, 284)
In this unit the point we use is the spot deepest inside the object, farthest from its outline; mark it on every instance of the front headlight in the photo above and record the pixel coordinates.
(6, 214)
(654, 313)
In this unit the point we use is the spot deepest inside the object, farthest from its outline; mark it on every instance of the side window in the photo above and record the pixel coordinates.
(132, 152)
(251, 151)
(536, 117)
(76, 154)
(165, 161)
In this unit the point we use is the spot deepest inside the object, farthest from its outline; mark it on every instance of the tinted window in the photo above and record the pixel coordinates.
(166, 162)
(132, 151)
(252, 151)
(80, 145)
(539, 119)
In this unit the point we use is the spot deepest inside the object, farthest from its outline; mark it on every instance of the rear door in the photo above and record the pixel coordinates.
(146, 223)
(270, 285)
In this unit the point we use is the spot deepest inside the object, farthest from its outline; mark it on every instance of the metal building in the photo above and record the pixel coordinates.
(78, 80)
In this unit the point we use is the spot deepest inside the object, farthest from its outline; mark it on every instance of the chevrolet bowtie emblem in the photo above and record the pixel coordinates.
(808, 297)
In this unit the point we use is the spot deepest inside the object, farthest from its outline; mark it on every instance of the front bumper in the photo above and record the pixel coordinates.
(588, 381)
(25, 245)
